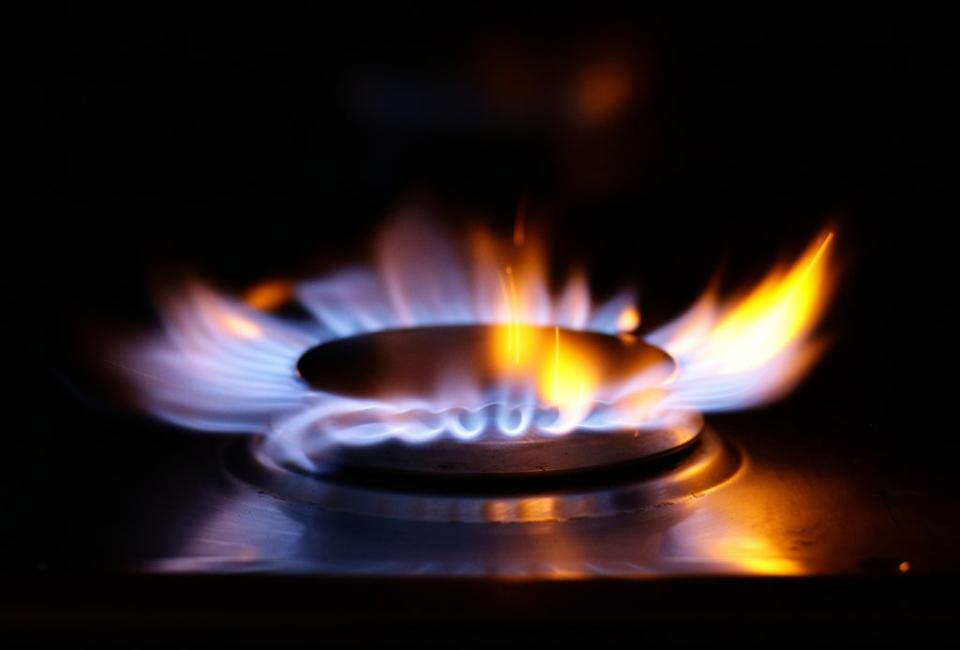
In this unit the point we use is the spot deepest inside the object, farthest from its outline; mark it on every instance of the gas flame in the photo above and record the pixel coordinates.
(751, 349)
(228, 365)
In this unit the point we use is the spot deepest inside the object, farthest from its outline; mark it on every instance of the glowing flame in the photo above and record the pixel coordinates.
(269, 295)
(771, 317)
(565, 374)
(629, 320)
(568, 381)
(228, 365)
(752, 349)
(239, 326)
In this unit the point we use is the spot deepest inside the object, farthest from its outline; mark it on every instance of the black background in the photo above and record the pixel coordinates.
(246, 141)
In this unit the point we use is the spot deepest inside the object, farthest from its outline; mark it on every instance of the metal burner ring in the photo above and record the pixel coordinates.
(520, 457)
(705, 464)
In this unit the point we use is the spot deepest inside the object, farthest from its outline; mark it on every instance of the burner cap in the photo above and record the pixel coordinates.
(416, 363)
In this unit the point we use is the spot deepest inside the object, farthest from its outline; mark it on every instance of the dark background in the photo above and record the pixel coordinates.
(247, 141)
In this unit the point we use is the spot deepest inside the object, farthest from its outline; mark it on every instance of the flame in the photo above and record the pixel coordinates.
(226, 365)
(269, 295)
(772, 316)
(755, 348)
(629, 320)
(565, 374)
(239, 326)
(568, 382)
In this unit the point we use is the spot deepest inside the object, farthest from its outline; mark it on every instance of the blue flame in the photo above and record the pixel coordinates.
(220, 365)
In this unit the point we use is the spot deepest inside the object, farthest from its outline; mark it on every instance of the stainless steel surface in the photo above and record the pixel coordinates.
(809, 496)
(794, 506)
(630, 489)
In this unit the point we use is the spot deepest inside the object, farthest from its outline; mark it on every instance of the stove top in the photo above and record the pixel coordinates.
(748, 499)
(762, 522)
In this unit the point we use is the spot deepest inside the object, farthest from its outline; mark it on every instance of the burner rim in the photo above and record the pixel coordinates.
(707, 463)
(523, 457)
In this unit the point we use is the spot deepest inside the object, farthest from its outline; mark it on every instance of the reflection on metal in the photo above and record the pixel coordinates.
(629, 488)
(645, 521)
(788, 506)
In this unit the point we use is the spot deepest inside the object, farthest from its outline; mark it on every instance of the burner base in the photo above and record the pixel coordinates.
(518, 457)
(705, 463)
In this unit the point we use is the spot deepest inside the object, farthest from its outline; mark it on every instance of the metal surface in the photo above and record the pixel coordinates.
(627, 489)
(792, 507)
(796, 498)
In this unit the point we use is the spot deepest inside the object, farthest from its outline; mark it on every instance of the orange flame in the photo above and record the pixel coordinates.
(775, 314)
(629, 320)
(268, 295)
(565, 374)
(761, 339)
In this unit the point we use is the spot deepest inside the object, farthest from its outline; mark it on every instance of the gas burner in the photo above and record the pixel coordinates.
(454, 362)
(413, 365)
(445, 385)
